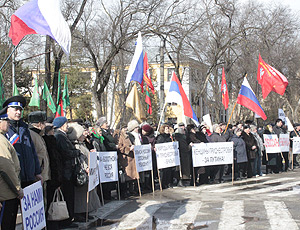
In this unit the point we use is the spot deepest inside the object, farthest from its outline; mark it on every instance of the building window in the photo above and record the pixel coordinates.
(172, 104)
(170, 72)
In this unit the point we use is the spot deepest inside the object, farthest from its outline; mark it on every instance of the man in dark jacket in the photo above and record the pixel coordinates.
(217, 137)
(68, 153)
(19, 136)
(294, 133)
(278, 130)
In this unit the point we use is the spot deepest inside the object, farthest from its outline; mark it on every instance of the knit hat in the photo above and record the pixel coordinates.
(75, 131)
(101, 121)
(59, 121)
(132, 125)
(147, 128)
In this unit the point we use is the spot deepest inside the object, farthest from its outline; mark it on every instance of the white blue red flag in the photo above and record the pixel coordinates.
(136, 68)
(248, 99)
(41, 17)
(177, 95)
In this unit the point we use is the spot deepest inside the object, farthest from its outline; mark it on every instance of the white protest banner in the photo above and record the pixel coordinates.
(281, 115)
(207, 120)
(271, 143)
(284, 142)
(289, 124)
(143, 157)
(108, 166)
(296, 145)
(32, 205)
(167, 155)
(93, 171)
(218, 153)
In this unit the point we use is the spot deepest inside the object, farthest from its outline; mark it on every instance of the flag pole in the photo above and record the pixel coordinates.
(161, 115)
(10, 55)
(230, 117)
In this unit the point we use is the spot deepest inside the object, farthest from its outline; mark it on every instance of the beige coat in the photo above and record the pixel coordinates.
(126, 159)
(42, 153)
(9, 163)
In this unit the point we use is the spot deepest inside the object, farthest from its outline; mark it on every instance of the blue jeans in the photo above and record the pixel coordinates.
(257, 164)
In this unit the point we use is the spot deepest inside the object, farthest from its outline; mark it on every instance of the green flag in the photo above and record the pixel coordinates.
(65, 97)
(48, 98)
(2, 96)
(16, 91)
(35, 99)
(58, 88)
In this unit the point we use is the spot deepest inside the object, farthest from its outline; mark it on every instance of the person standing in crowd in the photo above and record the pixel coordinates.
(240, 154)
(270, 159)
(166, 173)
(110, 145)
(185, 156)
(76, 134)
(68, 152)
(19, 136)
(214, 170)
(11, 191)
(194, 137)
(148, 133)
(37, 120)
(277, 129)
(251, 148)
(56, 169)
(260, 147)
(294, 133)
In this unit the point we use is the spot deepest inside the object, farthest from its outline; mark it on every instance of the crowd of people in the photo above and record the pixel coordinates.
(49, 149)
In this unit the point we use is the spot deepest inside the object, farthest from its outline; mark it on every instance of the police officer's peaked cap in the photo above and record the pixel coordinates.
(15, 101)
(3, 114)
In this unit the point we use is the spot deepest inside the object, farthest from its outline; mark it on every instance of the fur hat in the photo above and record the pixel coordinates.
(75, 131)
(132, 125)
(37, 116)
(101, 121)
(59, 121)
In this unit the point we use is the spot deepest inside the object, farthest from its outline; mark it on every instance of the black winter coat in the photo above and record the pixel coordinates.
(109, 141)
(163, 138)
(68, 153)
(185, 155)
(55, 158)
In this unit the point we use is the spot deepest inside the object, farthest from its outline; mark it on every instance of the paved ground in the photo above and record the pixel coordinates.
(269, 202)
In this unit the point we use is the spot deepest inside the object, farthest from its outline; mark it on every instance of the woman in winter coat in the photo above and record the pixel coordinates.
(76, 135)
(251, 148)
(240, 154)
(148, 133)
(126, 144)
(166, 173)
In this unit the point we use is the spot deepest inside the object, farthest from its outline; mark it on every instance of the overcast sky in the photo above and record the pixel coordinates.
(293, 4)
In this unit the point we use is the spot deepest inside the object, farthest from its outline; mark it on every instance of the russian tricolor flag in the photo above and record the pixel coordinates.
(136, 69)
(177, 95)
(248, 99)
(41, 17)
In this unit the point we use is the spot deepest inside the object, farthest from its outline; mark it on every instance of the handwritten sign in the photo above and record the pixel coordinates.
(108, 166)
(32, 204)
(93, 171)
(271, 143)
(167, 155)
(143, 157)
(218, 153)
(296, 145)
(284, 142)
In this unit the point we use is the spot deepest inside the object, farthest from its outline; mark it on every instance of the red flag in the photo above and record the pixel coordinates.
(270, 79)
(147, 77)
(224, 91)
(148, 101)
(60, 110)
